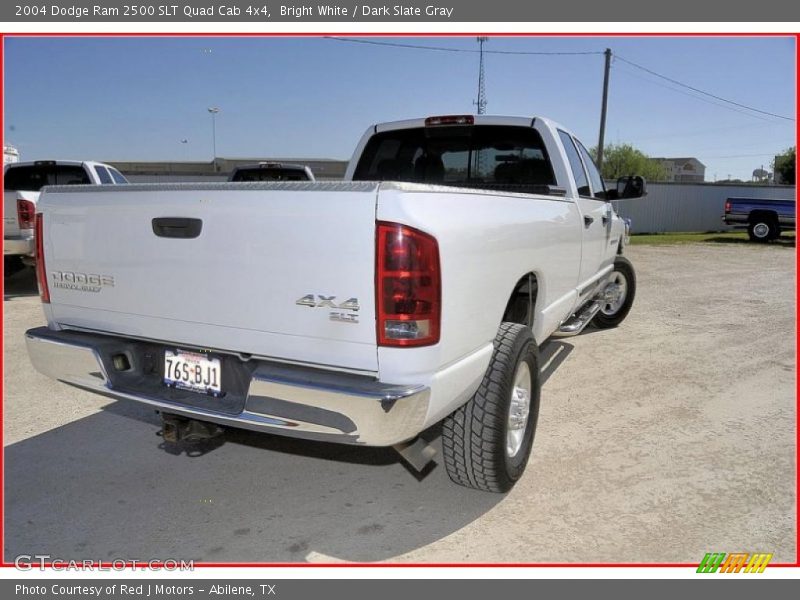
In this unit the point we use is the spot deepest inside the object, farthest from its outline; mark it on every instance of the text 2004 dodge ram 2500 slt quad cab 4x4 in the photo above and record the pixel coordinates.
(360, 312)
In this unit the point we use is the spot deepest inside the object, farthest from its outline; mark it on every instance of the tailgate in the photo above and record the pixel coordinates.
(277, 270)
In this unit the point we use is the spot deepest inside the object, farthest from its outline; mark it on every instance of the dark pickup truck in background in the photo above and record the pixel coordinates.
(764, 219)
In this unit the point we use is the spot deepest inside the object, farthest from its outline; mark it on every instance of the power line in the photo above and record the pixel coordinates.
(631, 73)
(742, 155)
(445, 49)
(771, 143)
(704, 132)
(699, 91)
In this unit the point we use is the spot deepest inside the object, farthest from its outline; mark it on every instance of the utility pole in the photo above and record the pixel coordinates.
(481, 101)
(603, 111)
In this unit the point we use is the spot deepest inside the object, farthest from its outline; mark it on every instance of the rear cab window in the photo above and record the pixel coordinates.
(494, 157)
(32, 178)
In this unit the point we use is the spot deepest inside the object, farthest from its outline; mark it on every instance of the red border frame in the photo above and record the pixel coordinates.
(108, 565)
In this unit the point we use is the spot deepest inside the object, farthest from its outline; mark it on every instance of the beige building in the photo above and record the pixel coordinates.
(683, 170)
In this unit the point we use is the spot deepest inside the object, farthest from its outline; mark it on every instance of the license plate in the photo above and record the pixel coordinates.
(193, 371)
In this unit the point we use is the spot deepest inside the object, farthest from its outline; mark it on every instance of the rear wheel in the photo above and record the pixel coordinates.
(486, 443)
(763, 230)
(12, 264)
(617, 298)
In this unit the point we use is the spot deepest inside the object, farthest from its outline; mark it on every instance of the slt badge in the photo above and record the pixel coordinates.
(320, 301)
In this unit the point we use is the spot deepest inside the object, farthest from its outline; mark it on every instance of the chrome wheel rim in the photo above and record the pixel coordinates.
(761, 230)
(519, 409)
(614, 295)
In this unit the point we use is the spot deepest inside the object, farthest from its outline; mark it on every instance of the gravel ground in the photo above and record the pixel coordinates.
(661, 440)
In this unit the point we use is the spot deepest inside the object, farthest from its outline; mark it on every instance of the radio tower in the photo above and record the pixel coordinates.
(478, 161)
(481, 101)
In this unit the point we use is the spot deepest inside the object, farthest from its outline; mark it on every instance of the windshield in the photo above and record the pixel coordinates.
(488, 156)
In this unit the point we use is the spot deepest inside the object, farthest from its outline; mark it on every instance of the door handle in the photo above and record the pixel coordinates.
(587, 220)
(177, 227)
(605, 219)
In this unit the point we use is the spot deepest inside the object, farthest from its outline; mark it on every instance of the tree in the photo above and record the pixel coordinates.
(785, 165)
(620, 160)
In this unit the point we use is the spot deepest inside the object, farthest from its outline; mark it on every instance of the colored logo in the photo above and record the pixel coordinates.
(734, 563)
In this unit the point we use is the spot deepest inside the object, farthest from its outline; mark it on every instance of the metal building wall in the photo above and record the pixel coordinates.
(670, 207)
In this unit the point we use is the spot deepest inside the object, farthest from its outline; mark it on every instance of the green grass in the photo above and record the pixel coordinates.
(733, 237)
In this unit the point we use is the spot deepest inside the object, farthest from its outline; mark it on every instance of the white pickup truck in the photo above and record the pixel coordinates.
(22, 182)
(362, 312)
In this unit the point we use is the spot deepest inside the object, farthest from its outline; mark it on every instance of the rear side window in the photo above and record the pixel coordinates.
(482, 156)
(103, 175)
(598, 187)
(581, 181)
(117, 176)
(32, 178)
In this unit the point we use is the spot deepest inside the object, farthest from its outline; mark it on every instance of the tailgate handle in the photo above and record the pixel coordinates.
(177, 227)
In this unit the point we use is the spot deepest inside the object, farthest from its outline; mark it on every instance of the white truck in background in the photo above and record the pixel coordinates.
(359, 312)
(22, 183)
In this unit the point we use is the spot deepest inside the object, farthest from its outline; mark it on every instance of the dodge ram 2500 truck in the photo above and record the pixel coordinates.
(360, 312)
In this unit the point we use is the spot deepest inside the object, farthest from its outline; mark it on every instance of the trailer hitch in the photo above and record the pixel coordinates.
(183, 433)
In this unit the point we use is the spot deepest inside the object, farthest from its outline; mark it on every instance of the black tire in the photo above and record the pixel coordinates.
(12, 264)
(474, 437)
(763, 230)
(608, 317)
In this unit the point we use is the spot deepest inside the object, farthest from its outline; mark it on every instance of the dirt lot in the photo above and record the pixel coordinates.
(669, 437)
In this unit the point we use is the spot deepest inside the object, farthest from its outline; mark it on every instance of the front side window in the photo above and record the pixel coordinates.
(575, 164)
(103, 175)
(118, 177)
(598, 187)
(482, 156)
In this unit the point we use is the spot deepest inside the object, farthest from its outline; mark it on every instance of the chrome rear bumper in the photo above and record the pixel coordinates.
(18, 245)
(280, 399)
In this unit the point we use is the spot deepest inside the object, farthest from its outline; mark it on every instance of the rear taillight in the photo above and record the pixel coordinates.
(727, 206)
(41, 274)
(407, 286)
(26, 213)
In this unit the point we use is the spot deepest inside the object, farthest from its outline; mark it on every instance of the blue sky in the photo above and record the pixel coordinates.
(137, 98)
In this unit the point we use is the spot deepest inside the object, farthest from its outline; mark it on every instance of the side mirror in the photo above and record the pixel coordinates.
(632, 186)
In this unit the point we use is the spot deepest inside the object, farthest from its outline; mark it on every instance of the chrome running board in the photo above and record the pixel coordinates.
(578, 321)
